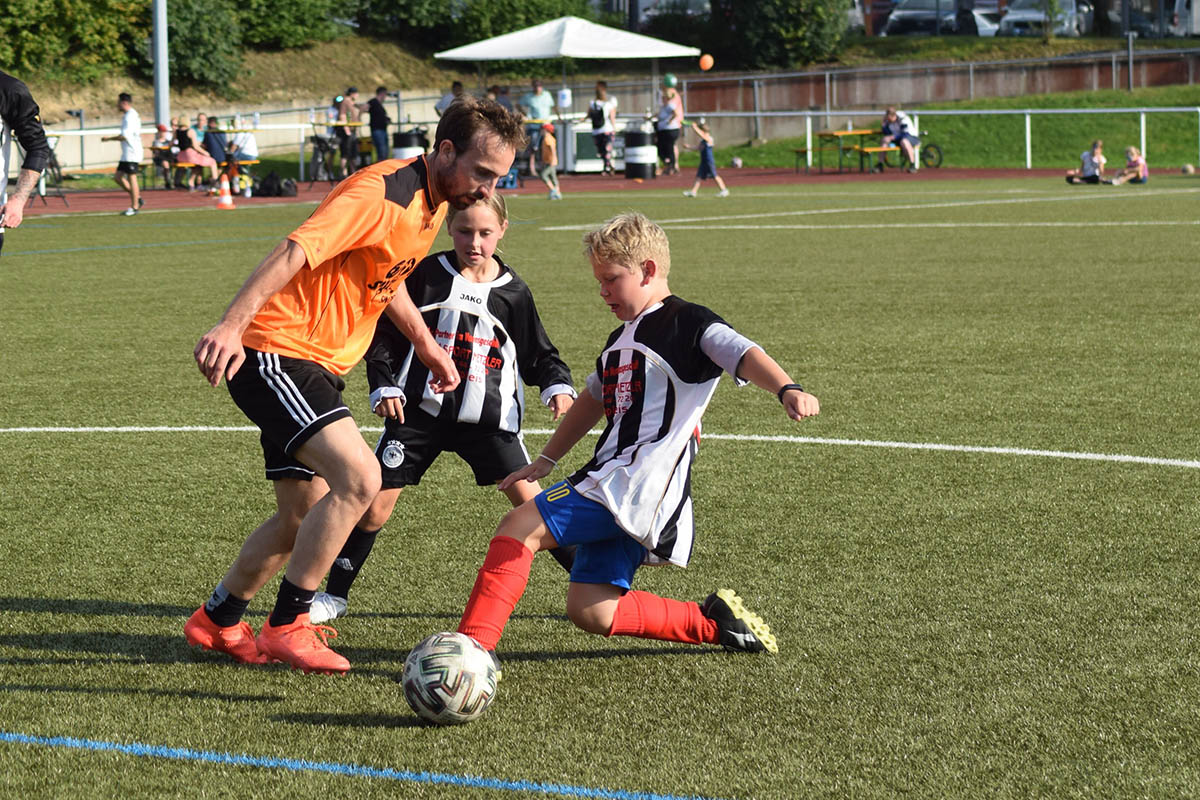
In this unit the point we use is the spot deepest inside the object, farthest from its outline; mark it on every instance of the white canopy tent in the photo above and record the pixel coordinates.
(567, 37)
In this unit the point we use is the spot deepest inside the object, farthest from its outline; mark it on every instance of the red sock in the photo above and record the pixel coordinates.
(649, 616)
(498, 587)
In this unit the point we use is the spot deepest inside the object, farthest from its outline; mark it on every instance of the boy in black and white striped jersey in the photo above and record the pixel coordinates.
(481, 312)
(631, 503)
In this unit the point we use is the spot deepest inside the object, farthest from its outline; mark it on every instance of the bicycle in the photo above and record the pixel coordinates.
(931, 155)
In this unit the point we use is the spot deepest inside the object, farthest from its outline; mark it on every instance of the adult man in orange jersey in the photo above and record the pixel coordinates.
(302, 320)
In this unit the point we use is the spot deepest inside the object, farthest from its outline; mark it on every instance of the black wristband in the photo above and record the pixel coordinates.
(788, 388)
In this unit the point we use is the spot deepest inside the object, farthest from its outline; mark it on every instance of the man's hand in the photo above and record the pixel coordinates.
(560, 404)
(219, 352)
(441, 367)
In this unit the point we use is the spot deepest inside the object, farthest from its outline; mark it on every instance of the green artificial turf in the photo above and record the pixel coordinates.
(952, 623)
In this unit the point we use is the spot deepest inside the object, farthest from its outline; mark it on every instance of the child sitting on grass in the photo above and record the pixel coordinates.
(1135, 170)
(631, 503)
(1091, 165)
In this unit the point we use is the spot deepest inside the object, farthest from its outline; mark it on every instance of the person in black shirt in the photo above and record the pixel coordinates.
(379, 123)
(20, 117)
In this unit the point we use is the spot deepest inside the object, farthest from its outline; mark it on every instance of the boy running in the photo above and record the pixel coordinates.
(483, 314)
(631, 503)
(301, 321)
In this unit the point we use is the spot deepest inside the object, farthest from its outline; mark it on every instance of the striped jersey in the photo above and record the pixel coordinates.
(493, 333)
(655, 377)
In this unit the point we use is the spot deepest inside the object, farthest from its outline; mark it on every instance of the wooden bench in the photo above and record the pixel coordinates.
(865, 153)
(224, 165)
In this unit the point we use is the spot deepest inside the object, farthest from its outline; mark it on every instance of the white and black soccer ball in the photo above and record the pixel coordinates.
(449, 679)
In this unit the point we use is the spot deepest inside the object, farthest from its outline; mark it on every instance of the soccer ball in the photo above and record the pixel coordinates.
(449, 679)
(1188, 169)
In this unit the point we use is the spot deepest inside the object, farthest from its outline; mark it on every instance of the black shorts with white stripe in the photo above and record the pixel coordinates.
(289, 399)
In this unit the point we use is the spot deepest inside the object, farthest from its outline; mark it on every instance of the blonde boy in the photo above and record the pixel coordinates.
(549, 155)
(631, 503)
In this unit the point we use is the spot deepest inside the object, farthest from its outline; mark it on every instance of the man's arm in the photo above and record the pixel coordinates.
(13, 210)
(219, 352)
(407, 318)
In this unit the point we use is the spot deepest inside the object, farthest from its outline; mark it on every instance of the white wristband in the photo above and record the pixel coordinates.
(553, 463)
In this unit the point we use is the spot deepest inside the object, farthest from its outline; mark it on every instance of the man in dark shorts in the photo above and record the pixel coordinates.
(347, 136)
(130, 164)
(302, 320)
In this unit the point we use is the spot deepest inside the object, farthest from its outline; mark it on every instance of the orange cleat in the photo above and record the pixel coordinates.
(302, 645)
(236, 640)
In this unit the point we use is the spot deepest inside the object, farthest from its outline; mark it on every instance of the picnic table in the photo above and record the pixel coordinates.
(840, 140)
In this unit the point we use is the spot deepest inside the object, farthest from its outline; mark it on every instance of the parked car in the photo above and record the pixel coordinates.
(1028, 18)
(917, 17)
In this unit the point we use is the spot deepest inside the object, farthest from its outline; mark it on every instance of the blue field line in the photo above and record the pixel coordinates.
(142, 245)
(332, 768)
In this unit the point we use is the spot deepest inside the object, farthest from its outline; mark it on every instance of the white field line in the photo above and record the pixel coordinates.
(730, 437)
(899, 207)
(917, 226)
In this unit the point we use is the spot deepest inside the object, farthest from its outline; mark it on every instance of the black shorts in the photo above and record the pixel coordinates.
(129, 167)
(289, 400)
(407, 449)
(347, 144)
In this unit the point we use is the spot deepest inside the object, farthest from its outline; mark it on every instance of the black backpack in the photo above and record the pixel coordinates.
(288, 189)
(596, 115)
(270, 186)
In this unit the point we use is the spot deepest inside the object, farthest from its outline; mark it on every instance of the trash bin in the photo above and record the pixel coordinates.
(409, 144)
(640, 154)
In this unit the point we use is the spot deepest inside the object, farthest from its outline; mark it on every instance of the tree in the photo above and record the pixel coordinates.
(280, 24)
(776, 33)
(77, 40)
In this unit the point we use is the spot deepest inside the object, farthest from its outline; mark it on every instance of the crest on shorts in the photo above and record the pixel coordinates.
(393, 454)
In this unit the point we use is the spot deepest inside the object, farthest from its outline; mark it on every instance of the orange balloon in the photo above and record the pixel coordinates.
(706, 62)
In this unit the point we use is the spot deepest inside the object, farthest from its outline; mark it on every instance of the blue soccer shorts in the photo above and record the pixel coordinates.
(604, 552)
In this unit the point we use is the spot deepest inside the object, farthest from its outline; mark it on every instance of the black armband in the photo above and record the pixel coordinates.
(788, 388)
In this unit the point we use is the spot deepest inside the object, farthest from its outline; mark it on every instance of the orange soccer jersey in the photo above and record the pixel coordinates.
(361, 242)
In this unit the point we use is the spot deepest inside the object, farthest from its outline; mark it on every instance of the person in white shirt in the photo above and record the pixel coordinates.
(456, 91)
(130, 164)
(602, 113)
(1091, 165)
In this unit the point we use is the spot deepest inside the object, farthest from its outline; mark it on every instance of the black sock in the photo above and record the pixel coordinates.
(225, 609)
(349, 561)
(565, 556)
(291, 602)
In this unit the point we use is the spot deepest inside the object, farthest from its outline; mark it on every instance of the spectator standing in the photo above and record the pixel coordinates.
(132, 152)
(501, 93)
(549, 154)
(602, 112)
(456, 91)
(347, 138)
(667, 125)
(380, 121)
(537, 105)
(19, 117)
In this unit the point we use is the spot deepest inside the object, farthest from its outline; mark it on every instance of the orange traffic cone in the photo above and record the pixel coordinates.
(225, 201)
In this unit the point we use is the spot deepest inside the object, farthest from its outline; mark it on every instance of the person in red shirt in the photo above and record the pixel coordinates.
(302, 320)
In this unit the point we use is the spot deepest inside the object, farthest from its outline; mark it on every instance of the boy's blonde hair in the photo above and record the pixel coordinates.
(629, 239)
(495, 202)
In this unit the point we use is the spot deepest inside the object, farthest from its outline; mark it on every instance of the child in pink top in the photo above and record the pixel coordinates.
(1135, 170)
